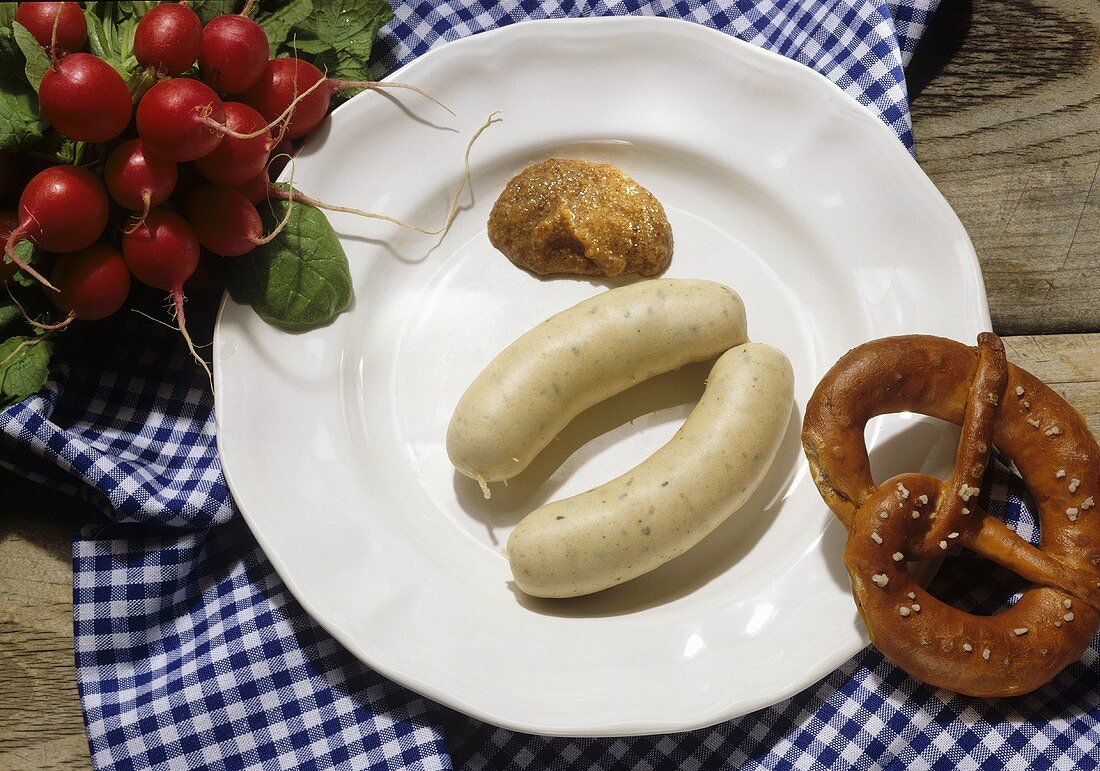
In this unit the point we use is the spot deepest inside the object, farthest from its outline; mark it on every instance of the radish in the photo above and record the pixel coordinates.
(208, 280)
(285, 80)
(258, 188)
(182, 119)
(168, 38)
(40, 19)
(225, 221)
(236, 161)
(281, 79)
(255, 189)
(85, 99)
(177, 119)
(62, 209)
(138, 179)
(91, 284)
(163, 252)
(233, 53)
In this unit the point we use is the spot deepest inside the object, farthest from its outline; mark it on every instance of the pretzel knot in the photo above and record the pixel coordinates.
(918, 517)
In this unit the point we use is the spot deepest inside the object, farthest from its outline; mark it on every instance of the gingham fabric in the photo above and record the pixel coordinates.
(192, 654)
(861, 45)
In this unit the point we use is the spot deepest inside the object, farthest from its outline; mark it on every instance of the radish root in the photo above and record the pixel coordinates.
(376, 85)
(50, 327)
(493, 118)
(155, 320)
(146, 199)
(285, 195)
(282, 225)
(38, 324)
(279, 193)
(181, 322)
(9, 250)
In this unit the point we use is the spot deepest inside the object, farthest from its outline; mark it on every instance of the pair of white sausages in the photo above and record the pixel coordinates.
(667, 504)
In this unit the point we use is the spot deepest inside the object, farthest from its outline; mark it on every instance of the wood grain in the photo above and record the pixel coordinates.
(1070, 364)
(40, 720)
(1009, 129)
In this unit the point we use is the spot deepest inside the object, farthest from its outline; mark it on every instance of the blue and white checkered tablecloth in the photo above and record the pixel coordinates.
(191, 653)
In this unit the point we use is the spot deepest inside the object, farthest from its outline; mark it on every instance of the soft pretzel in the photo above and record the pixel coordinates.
(917, 517)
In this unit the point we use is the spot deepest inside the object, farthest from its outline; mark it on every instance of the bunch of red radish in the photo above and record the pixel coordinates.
(64, 210)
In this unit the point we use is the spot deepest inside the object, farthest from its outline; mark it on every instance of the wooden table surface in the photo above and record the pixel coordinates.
(1006, 111)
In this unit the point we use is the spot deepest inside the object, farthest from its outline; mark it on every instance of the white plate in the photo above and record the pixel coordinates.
(775, 182)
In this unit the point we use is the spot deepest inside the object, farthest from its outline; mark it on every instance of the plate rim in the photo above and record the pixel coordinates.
(830, 663)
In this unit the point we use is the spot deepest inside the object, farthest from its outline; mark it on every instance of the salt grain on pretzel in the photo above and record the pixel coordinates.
(1028, 644)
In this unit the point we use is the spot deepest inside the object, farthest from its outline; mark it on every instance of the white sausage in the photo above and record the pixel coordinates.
(580, 357)
(668, 503)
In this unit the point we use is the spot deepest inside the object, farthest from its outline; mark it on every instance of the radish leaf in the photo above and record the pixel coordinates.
(339, 36)
(9, 311)
(208, 9)
(278, 23)
(20, 124)
(24, 366)
(37, 59)
(300, 279)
